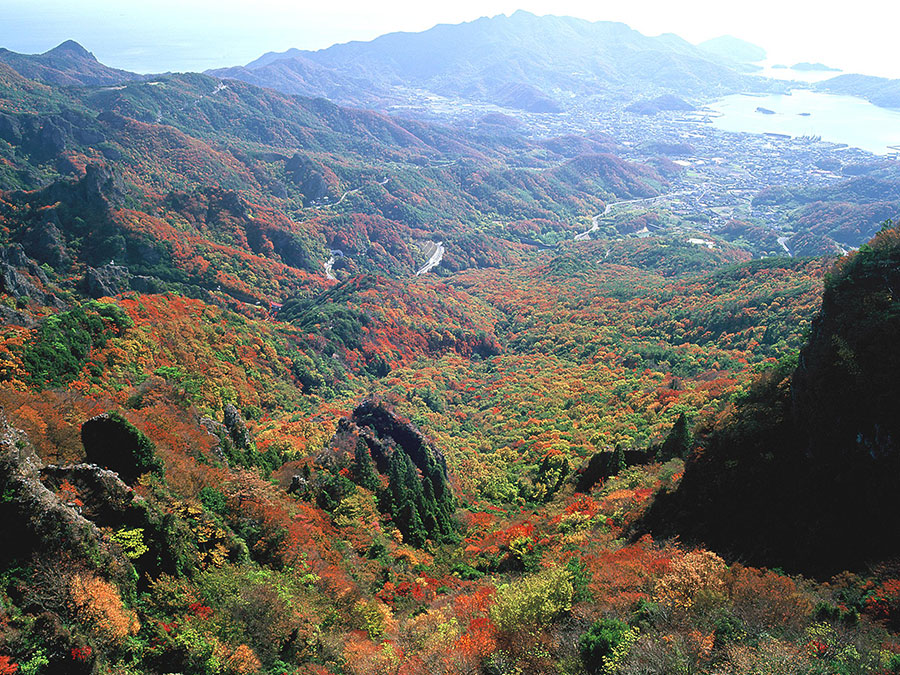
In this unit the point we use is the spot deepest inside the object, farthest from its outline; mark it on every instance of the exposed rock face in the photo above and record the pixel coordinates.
(801, 472)
(44, 241)
(375, 422)
(18, 274)
(32, 518)
(218, 430)
(12, 280)
(413, 486)
(12, 317)
(145, 284)
(105, 497)
(49, 513)
(109, 280)
(237, 428)
(14, 256)
(234, 437)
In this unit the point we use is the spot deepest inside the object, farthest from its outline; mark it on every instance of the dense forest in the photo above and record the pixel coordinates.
(614, 455)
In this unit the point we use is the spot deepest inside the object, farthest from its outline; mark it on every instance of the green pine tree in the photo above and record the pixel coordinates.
(678, 442)
(364, 468)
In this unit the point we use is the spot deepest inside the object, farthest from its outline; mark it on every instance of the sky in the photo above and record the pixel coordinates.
(179, 35)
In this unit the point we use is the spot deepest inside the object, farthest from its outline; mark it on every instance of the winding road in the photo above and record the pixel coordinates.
(344, 196)
(328, 266)
(783, 242)
(436, 256)
(595, 225)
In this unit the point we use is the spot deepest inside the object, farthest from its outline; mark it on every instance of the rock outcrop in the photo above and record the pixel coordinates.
(32, 517)
(114, 443)
(21, 277)
(106, 281)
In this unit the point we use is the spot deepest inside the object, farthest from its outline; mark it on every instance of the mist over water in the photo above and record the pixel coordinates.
(770, 69)
(148, 47)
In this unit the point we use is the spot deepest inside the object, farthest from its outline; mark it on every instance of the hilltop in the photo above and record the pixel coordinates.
(881, 91)
(67, 64)
(734, 49)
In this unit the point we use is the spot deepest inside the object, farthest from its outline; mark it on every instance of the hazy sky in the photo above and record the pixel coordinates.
(160, 35)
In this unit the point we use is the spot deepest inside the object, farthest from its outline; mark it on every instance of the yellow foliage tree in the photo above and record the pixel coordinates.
(533, 600)
(98, 607)
(243, 661)
(699, 575)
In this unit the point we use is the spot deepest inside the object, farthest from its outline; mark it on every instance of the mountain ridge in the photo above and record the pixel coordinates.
(557, 57)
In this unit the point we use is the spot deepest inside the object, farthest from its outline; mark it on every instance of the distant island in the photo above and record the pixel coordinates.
(812, 67)
(734, 49)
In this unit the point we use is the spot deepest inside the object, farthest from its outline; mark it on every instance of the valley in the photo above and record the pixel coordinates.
(480, 350)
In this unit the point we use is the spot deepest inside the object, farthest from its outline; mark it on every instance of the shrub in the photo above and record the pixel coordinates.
(8, 666)
(373, 617)
(131, 541)
(213, 500)
(697, 576)
(599, 642)
(533, 600)
(762, 598)
(113, 442)
(243, 661)
(64, 341)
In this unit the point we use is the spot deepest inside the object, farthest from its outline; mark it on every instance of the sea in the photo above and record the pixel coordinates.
(837, 119)
(801, 112)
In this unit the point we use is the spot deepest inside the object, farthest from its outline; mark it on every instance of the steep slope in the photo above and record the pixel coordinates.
(800, 470)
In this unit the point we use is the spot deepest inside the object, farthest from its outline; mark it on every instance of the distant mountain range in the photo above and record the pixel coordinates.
(541, 64)
(65, 65)
(522, 61)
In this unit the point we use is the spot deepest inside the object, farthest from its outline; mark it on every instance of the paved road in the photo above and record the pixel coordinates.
(435, 259)
(344, 196)
(783, 242)
(594, 220)
(328, 266)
